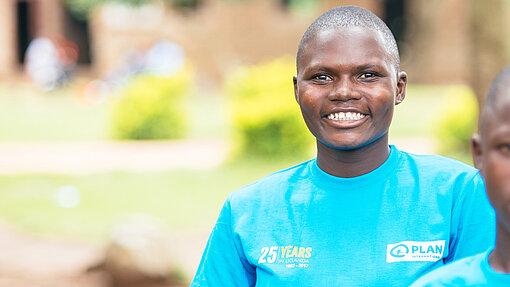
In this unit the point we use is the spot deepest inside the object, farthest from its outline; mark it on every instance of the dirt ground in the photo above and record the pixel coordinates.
(30, 261)
(92, 157)
(33, 261)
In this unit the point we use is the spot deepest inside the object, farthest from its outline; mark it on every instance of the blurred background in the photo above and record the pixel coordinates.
(124, 125)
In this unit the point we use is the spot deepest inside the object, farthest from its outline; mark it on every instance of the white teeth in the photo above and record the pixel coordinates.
(349, 116)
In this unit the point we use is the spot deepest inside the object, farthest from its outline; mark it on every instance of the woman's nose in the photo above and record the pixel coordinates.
(343, 90)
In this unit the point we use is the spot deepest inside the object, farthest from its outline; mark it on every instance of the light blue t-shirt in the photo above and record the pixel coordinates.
(471, 271)
(304, 227)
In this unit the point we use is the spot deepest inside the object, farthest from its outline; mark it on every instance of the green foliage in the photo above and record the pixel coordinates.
(30, 115)
(186, 4)
(457, 121)
(82, 8)
(152, 108)
(303, 6)
(266, 118)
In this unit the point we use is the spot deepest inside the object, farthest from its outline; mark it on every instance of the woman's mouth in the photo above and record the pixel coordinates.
(345, 116)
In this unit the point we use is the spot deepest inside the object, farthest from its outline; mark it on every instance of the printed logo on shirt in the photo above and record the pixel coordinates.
(415, 251)
(292, 256)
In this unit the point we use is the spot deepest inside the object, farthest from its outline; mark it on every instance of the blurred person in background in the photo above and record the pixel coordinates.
(51, 62)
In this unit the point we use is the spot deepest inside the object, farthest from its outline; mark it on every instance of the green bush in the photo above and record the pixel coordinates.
(265, 115)
(457, 122)
(152, 108)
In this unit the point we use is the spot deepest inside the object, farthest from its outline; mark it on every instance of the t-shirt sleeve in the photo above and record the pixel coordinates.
(223, 262)
(473, 226)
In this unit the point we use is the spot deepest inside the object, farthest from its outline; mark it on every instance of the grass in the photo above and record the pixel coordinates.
(29, 115)
(183, 199)
(418, 114)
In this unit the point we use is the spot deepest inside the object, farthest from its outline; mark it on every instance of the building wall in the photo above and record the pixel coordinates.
(45, 20)
(216, 38)
(7, 38)
(438, 42)
(50, 18)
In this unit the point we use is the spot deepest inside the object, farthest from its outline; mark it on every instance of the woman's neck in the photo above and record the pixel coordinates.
(352, 162)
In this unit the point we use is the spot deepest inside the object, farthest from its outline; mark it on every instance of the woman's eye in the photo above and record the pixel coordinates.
(321, 77)
(367, 75)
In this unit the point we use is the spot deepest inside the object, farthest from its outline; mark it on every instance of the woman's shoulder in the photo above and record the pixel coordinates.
(273, 182)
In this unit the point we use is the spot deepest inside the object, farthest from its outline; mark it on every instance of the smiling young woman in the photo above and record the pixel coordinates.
(363, 213)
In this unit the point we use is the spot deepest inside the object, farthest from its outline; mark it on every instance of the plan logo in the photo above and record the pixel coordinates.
(399, 251)
(415, 251)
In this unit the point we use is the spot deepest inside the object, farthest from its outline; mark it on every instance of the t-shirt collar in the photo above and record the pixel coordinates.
(374, 177)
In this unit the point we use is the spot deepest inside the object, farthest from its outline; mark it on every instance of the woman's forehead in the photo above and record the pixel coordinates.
(354, 43)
